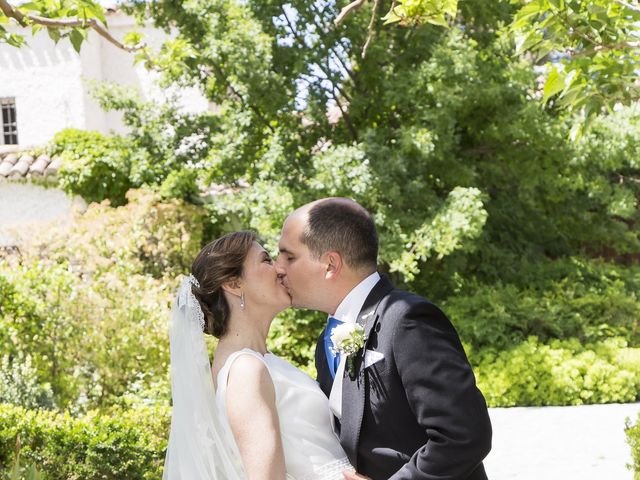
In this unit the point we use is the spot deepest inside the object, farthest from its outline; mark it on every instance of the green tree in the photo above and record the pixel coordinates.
(436, 127)
(591, 50)
(72, 19)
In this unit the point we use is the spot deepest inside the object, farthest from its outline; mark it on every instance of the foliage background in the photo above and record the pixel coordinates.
(506, 199)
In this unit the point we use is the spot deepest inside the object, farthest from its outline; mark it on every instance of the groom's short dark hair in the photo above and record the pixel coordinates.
(345, 226)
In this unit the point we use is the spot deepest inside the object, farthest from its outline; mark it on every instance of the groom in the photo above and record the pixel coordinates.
(406, 403)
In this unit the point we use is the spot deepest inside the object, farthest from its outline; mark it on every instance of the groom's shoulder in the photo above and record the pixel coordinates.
(401, 301)
(411, 313)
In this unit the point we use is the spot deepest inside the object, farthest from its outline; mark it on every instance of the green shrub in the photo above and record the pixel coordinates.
(37, 321)
(93, 166)
(124, 445)
(563, 372)
(145, 236)
(575, 298)
(18, 470)
(633, 439)
(91, 310)
(20, 383)
(293, 336)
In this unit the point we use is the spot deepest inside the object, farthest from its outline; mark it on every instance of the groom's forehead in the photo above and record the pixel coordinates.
(294, 226)
(291, 238)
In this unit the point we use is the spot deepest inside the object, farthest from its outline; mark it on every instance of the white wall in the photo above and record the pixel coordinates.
(23, 205)
(47, 81)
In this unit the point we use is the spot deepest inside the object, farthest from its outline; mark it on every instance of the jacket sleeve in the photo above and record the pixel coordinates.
(441, 390)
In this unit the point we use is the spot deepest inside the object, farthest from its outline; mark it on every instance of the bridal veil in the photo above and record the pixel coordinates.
(197, 447)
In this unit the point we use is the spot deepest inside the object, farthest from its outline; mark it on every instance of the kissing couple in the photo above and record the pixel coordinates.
(395, 396)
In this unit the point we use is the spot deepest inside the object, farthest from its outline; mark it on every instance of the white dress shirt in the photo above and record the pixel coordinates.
(347, 312)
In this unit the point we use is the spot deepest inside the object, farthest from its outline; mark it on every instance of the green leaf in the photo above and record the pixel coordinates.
(576, 131)
(31, 6)
(132, 38)
(526, 41)
(555, 84)
(54, 33)
(438, 20)
(97, 11)
(76, 39)
(573, 95)
(391, 17)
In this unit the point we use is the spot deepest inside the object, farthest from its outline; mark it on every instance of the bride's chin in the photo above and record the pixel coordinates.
(286, 304)
(282, 304)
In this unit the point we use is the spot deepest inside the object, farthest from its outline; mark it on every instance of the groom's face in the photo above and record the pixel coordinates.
(301, 274)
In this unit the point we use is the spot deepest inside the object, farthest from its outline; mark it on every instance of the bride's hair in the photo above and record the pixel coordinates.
(217, 263)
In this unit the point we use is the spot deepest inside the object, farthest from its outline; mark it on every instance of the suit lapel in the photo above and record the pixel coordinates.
(354, 390)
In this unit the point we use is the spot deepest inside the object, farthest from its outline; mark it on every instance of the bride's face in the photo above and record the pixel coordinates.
(301, 274)
(261, 286)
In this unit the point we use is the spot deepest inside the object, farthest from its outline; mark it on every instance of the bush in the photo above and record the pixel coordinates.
(21, 385)
(20, 471)
(293, 335)
(91, 310)
(586, 299)
(93, 166)
(146, 236)
(563, 372)
(633, 439)
(38, 321)
(126, 444)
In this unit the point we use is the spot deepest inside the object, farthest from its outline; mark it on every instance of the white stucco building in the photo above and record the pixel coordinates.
(42, 88)
(43, 91)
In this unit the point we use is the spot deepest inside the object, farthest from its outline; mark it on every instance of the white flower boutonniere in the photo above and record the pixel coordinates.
(347, 339)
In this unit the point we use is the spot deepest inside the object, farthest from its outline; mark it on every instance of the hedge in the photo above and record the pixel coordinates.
(126, 444)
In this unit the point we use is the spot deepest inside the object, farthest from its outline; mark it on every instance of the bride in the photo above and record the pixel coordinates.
(249, 415)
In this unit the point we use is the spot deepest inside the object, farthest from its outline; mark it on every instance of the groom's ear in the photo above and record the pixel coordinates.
(334, 263)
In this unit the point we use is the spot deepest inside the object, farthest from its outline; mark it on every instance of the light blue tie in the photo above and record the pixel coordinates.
(333, 358)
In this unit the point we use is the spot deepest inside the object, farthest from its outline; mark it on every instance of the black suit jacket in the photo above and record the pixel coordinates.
(416, 413)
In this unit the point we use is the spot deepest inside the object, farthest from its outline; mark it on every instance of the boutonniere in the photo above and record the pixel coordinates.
(348, 339)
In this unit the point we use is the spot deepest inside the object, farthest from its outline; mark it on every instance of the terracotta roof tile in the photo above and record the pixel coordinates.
(19, 170)
(22, 165)
(5, 168)
(11, 158)
(53, 167)
(39, 166)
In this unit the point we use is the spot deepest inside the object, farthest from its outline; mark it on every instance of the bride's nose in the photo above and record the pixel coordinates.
(279, 270)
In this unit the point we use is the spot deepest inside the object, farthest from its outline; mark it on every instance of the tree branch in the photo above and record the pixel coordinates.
(371, 30)
(347, 118)
(30, 18)
(605, 48)
(10, 12)
(322, 33)
(633, 8)
(348, 9)
(218, 72)
(301, 42)
(569, 28)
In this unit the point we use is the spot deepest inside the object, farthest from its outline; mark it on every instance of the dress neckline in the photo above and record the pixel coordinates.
(247, 349)
(225, 367)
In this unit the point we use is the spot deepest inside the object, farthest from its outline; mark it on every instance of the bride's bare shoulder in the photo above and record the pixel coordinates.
(245, 365)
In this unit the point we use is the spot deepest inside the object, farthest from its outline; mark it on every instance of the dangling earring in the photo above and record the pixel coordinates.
(241, 300)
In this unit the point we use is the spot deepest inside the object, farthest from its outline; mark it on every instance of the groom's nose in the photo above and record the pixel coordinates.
(279, 268)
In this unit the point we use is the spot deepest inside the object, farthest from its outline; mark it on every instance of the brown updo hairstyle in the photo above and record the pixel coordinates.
(217, 263)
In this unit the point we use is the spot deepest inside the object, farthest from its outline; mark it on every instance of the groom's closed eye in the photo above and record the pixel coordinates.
(288, 256)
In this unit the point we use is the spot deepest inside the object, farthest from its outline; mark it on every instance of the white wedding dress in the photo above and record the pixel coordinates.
(311, 449)
(201, 445)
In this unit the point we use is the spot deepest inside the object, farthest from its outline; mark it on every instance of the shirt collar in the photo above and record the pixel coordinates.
(351, 305)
